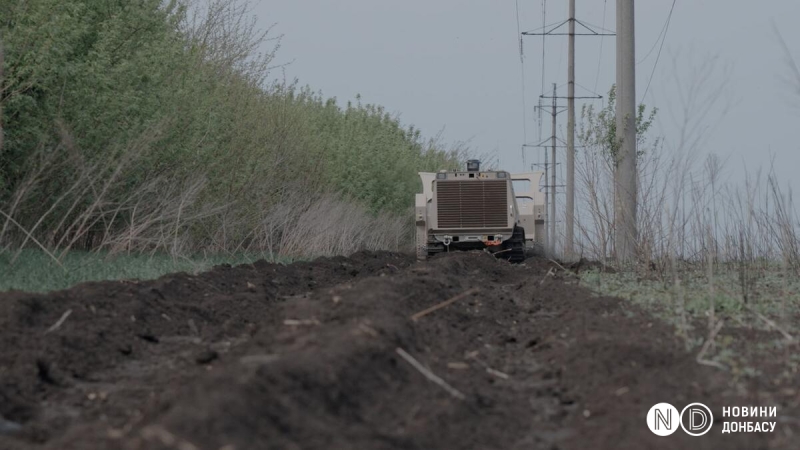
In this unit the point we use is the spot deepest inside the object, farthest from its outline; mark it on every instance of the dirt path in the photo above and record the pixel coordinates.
(325, 355)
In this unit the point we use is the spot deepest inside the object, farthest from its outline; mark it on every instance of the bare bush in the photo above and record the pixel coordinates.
(688, 212)
(175, 216)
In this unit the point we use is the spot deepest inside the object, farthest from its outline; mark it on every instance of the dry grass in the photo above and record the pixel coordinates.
(688, 212)
(99, 212)
(717, 259)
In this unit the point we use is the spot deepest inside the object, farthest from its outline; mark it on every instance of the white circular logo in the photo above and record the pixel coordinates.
(696, 419)
(663, 419)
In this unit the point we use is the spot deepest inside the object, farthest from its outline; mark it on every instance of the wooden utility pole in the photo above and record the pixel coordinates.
(625, 179)
(569, 211)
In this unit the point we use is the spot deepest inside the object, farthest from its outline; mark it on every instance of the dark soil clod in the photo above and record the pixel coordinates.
(206, 356)
(148, 337)
(45, 373)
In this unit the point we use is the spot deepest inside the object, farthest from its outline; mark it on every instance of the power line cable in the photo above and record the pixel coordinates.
(655, 43)
(658, 56)
(544, 62)
(544, 20)
(600, 57)
(522, 81)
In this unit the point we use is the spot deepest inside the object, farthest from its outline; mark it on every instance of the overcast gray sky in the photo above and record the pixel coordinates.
(455, 64)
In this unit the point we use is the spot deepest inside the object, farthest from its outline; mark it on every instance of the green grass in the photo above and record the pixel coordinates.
(769, 293)
(772, 295)
(34, 271)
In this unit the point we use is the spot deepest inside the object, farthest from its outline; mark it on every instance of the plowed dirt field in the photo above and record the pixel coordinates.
(326, 355)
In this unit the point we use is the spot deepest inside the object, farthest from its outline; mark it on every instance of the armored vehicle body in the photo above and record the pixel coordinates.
(475, 209)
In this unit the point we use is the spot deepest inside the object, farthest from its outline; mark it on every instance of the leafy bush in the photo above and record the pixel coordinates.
(156, 121)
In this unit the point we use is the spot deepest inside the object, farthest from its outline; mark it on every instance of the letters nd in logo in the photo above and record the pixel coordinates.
(663, 419)
(696, 419)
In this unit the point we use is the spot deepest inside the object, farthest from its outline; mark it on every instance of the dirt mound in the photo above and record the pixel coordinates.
(346, 353)
(53, 342)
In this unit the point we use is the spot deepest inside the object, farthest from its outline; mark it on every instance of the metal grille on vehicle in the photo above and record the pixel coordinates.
(472, 204)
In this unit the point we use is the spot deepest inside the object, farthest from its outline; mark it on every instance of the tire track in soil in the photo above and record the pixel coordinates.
(541, 362)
